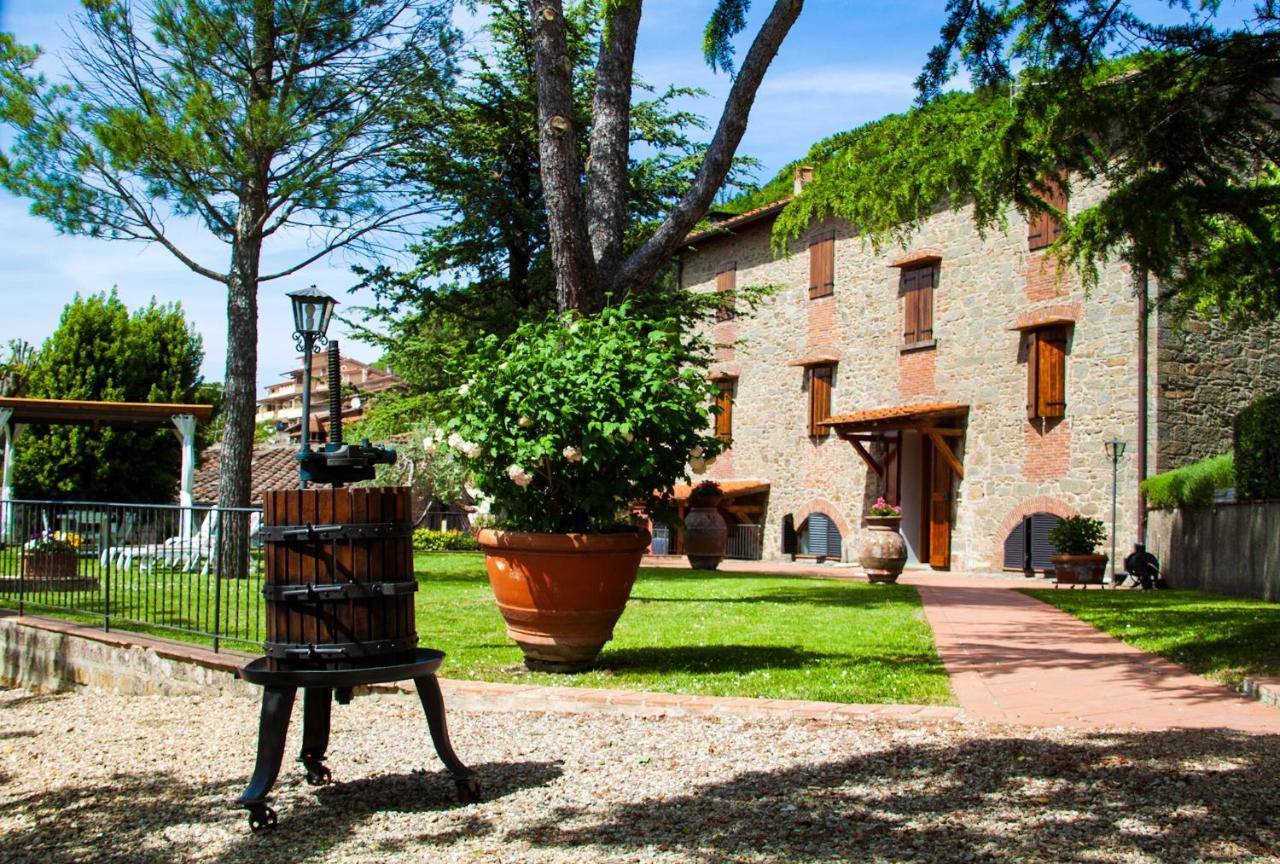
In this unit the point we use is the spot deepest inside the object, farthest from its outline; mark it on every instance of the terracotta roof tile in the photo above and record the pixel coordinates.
(273, 468)
(729, 488)
(738, 221)
(891, 413)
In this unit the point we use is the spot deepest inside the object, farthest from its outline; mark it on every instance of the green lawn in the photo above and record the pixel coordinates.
(1222, 638)
(716, 634)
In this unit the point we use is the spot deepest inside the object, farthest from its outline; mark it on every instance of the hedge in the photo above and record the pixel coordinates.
(1257, 446)
(1190, 485)
(426, 540)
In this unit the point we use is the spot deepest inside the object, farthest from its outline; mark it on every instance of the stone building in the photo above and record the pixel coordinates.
(962, 377)
(282, 405)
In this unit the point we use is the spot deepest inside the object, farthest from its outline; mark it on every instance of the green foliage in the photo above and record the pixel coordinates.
(1077, 535)
(426, 540)
(101, 352)
(569, 422)
(435, 472)
(1191, 485)
(1257, 448)
(16, 369)
(727, 20)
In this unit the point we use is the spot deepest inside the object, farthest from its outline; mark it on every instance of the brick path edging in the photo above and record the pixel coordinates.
(489, 696)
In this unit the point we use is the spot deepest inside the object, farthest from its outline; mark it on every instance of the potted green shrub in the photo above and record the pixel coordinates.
(1075, 540)
(706, 535)
(575, 429)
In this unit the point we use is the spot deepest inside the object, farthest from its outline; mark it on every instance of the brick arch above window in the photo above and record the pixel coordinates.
(1024, 508)
(824, 506)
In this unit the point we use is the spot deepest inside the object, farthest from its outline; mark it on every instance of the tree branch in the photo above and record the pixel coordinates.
(643, 264)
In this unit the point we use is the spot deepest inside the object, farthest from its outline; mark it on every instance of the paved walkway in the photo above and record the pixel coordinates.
(1016, 660)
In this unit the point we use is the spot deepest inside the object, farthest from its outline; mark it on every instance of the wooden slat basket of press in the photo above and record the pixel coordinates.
(339, 584)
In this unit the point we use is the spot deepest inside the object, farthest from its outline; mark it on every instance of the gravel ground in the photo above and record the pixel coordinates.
(90, 776)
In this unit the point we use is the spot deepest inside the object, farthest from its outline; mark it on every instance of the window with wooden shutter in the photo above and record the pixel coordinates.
(1044, 228)
(917, 294)
(726, 284)
(724, 401)
(822, 265)
(1047, 373)
(819, 398)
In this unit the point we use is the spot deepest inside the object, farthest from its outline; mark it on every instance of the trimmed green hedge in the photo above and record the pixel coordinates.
(426, 540)
(1190, 485)
(1257, 446)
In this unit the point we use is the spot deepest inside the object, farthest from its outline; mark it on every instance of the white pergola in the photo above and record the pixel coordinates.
(16, 414)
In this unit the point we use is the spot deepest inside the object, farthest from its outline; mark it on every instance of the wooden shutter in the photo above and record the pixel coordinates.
(1044, 229)
(726, 284)
(724, 401)
(1051, 372)
(917, 291)
(822, 265)
(819, 399)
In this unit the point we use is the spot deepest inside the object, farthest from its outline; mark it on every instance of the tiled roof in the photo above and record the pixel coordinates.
(887, 416)
(738, 221)
(273, 468)
(728, 488)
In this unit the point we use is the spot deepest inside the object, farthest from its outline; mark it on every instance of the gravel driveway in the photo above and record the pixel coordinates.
(90, 776)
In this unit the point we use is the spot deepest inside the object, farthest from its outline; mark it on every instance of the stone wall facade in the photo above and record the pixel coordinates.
(985, 286)
(1206, 372)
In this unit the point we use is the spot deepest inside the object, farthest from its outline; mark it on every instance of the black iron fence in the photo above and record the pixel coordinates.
(147, 568)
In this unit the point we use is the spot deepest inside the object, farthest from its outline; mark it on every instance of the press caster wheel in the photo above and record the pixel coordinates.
(468, 790)
(318, 775)
(262, 818)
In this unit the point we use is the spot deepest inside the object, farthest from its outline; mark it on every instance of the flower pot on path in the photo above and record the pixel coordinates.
(885, 552)
(1079, 569)
(705, 533)
(561, 594)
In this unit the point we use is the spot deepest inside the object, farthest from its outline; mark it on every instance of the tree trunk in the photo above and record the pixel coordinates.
(235, 470)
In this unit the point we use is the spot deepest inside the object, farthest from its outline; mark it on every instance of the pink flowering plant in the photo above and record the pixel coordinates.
(883, 508)
(570, 422)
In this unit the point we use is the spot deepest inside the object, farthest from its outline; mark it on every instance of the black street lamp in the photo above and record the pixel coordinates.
(1115, 451)
(312, 309)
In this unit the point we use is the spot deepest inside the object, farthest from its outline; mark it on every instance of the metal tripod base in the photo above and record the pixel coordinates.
(280, 689)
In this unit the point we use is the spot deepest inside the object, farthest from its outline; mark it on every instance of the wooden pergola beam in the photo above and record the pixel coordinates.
(944, 449)
(82, 412)
(867, 457)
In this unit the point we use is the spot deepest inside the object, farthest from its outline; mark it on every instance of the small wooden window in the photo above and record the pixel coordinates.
(726, 283)
(724, 401)
(1044, 228)
(822, 265)
(820, 398)
(917, 294)
(1047, 373)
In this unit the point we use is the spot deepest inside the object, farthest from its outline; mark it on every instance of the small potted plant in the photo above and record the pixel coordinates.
(569, 427)
(705, 532)
(885, 552)
(51, 556)
(1075, 540)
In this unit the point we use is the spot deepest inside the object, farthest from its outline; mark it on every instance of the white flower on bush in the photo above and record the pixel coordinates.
(695, 453)
(430, 446)
(519, 476)
(573, 454)
(464, 389)
(524, 422)
(457, 442)
(698, 465)
(502, 367)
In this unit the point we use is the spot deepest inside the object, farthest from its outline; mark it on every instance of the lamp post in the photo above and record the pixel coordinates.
(1115, 450)
(312, 310)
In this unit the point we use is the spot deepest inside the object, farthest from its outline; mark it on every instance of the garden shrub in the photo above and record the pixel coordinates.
(1191, 485)
(1077, 535)
(1257, 448)
(426, 540)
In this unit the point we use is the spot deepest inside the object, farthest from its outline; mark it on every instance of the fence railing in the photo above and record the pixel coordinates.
(745, 542)
(141, 567)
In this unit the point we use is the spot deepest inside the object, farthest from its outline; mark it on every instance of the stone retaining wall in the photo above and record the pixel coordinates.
(1227, 548)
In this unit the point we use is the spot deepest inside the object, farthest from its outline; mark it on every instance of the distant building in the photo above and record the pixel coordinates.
(282, 405)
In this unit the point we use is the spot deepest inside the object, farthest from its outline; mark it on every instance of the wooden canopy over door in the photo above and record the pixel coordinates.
(941, 426)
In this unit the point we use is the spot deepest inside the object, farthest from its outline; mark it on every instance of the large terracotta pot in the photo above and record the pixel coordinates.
(885, 552)
(1079, 569)
(705, 533)
(49, 565)
(561, 594)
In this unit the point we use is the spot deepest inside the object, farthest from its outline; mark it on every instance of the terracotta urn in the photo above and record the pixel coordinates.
(705, 532)
(40, 566)
(1079, 569)
(561, 594)
(884, 552)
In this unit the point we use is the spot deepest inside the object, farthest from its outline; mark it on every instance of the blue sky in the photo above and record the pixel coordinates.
(844, 63)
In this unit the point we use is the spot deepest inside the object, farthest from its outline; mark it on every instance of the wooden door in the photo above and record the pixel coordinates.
(937, 499)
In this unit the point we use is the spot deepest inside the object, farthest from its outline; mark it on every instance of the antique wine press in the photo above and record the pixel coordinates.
(339, 591)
